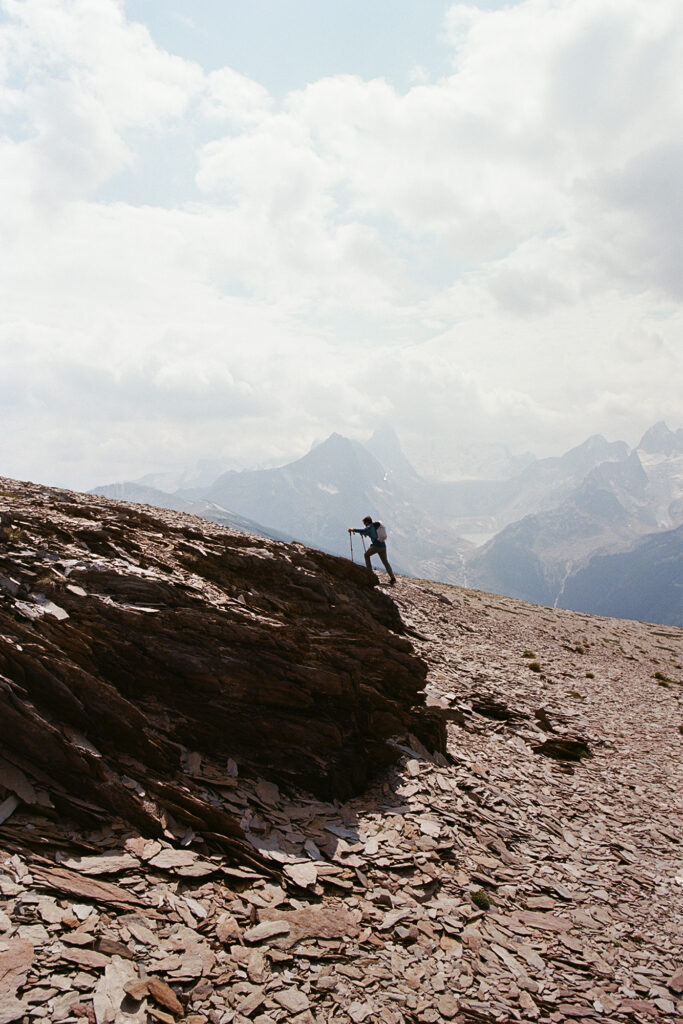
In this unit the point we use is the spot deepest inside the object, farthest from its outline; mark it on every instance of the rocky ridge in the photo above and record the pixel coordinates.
(532, 873)
(128, 635)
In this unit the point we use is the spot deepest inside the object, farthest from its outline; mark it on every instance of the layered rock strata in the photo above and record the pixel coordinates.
(131, 638)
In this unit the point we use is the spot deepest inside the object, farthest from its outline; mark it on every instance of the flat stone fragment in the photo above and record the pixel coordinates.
(63, 1006)
(110, 996)
(322, 921)
(606, 1003)
(85, 958)
(63, 880)
(541, 903)
(193, 964)
(14, 779)
(16, 959)
(104, 864)
(11, 1008)
(169, 859)
(448, 1006)
(266, 930)
(304, 875)
(227, 929)
(50, 911)
(268, 792)
(164, 995)
(292, 999)
(546, 922)
(136, 989)
(528, 1005)
(141, 933)
(358, 1012)
(675, 982)
(251, 1003)
(393, 917)
(145, 849)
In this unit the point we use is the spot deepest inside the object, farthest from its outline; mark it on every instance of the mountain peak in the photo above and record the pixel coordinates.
(335, 446)
(594, 450)
(386, 448)
(336, 438)
(385, 435)
(595, 441)
(659, 440)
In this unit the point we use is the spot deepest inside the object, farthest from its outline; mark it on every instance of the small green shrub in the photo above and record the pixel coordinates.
(590, 675)
(534, 666)
(481, 899)
(528, 654)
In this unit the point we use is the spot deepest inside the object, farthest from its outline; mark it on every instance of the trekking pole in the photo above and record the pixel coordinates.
(351, 543)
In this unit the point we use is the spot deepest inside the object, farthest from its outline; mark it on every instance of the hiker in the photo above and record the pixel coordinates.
(377, 534)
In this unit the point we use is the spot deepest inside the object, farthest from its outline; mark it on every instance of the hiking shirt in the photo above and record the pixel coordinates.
(371, 532)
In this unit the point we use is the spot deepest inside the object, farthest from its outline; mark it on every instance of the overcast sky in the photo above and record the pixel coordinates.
(231, 227)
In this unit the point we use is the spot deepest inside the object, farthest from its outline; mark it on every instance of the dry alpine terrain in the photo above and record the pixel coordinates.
(223, 798)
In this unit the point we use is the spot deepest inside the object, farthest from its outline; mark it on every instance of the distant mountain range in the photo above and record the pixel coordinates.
(596, 529)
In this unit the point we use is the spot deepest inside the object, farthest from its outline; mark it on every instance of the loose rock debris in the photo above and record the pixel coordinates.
(371, 909)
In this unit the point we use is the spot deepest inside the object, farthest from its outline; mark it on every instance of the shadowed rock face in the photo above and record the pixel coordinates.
(130, 636)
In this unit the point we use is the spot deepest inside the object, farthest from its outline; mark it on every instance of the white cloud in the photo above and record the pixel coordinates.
(80, 77)
(235, 97)
(483, 254)
(91, 44)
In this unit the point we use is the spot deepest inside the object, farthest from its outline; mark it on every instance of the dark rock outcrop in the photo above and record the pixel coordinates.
(131, 637)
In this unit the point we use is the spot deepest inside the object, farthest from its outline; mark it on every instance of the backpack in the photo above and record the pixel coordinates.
(381, 531)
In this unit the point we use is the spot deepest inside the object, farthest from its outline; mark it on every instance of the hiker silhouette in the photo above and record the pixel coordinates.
(377, 533)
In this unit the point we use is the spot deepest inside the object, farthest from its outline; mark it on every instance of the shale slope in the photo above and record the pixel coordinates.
(532, 873)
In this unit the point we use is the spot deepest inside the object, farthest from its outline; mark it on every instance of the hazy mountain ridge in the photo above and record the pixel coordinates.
(526, 535)
(329, 489)
(618, 504)
(648, 574)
